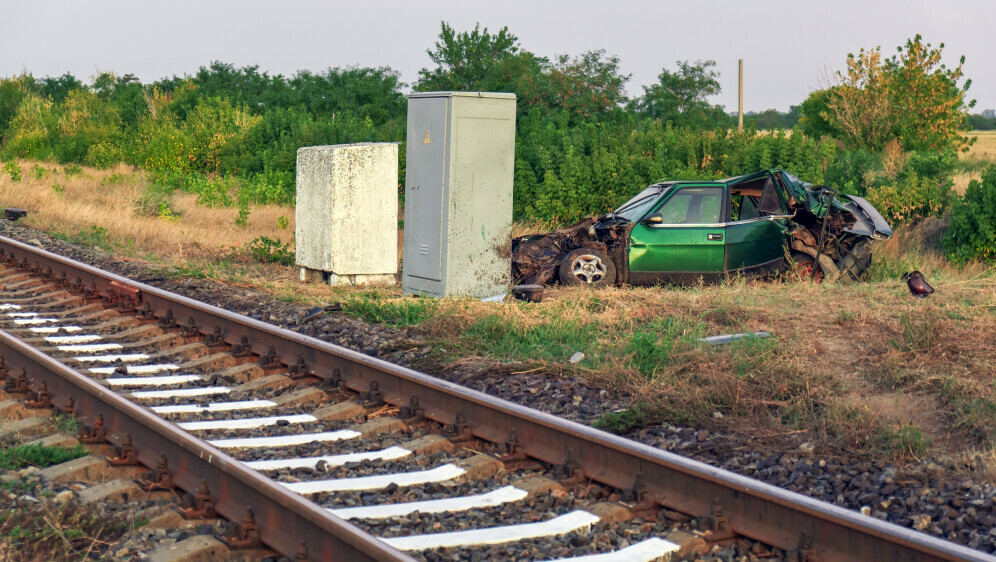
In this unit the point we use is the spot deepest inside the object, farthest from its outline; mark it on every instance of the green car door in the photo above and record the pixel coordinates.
(684, 239)
(755, 239)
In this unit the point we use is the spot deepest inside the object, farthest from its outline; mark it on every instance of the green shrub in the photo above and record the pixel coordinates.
(37, 172)
(13, 169)
(268, 250)
(73, 170)
(103, 155)
(911, 199)
(971, 233)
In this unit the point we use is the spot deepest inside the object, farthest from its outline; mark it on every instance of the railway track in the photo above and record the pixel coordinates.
(308, 435)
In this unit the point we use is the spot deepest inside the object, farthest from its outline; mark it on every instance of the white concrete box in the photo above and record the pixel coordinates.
(347, 213)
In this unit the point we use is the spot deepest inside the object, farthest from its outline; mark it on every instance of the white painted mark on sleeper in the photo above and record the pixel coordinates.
(165, 380)
(124, 358)
(438, 474)
(214, 407)
(202, 391)
(246, 423)
(54, 329)
(391, 453)
(567, 523)
(89, 347)
(136, 369)
(285, 440)
(72, 339)
(500, 496)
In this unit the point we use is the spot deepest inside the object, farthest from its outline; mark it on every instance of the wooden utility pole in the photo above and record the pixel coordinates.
(740, 97)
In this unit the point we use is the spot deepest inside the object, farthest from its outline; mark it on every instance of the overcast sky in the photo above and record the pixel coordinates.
(787, 45)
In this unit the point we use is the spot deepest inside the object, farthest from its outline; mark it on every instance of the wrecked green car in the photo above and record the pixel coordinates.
(690, 231)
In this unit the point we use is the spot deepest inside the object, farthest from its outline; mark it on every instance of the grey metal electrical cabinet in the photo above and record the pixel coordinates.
(458, 194)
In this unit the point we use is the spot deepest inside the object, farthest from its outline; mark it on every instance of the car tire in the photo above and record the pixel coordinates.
(855, 264)
(589, 267)
(804, 267)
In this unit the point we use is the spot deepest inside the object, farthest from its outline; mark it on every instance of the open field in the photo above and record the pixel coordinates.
(980, 155)
(862, 367)
(116, 207)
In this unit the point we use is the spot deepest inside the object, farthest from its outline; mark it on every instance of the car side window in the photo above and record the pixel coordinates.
(694, 205)
(770, 203)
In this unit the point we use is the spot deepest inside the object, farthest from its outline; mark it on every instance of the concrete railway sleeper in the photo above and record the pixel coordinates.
(308, 434)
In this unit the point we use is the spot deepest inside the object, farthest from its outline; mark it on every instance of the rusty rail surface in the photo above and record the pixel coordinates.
(285, 519)
(813, 529)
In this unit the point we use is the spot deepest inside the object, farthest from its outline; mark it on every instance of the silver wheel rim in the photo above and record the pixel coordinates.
(588, 268)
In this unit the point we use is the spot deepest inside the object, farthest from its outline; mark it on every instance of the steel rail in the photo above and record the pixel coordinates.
(754, 509)
(285, 519)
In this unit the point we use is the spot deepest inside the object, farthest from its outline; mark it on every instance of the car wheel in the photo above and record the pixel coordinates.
(855, 264)
(587, 266)
(805, 266)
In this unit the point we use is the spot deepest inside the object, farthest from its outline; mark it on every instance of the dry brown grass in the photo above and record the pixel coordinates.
(108, 199)
(847, 365)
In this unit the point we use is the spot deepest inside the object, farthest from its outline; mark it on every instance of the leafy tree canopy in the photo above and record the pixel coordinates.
(911, 97)
(682, 97)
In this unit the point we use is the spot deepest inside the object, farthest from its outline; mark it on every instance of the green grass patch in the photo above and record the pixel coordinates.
(653, 345)
(375, 308)
(36, 455)
(623, 421)
(554, 339)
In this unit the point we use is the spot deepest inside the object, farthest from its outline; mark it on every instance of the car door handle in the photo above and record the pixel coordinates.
(713, 237)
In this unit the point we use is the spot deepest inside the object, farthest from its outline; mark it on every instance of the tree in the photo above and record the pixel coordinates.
(911, 97)
(589, 84)
(467, 61)
(681, 97)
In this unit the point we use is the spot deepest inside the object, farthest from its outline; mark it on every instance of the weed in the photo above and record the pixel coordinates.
(43, 531)
(623, 421)
(73, 170)
(393, 312)
(66, 424)
(652, 345)
(38, 455)
(58, 188)
(242, 220)
(167, 213)
(96, 236)
(905, 439)
(554, 339)
(920, 333)
(37, 172)
(282, 222)
(845, 318)
(13, 169)
(749, 354)
(268, 250)
(115, 179)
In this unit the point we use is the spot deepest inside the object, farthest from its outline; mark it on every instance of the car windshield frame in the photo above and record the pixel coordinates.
(638, 206)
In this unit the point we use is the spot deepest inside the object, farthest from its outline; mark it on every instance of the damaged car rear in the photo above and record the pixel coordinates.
(686, 231)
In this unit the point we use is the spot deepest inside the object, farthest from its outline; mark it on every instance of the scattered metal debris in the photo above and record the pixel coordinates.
(528, 293)
(917, 284)
(727, 338)
(14, 213)
(319, 311)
